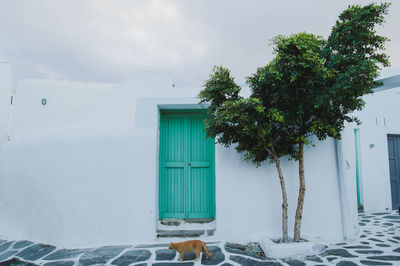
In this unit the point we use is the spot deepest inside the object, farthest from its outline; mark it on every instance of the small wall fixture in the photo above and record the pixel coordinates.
(44, 101)
(371, 145)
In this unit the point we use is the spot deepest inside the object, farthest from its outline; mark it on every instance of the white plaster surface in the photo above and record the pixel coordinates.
(5, 100)
(346, 167)
(83, 170)
(65, 100)
(379, 118)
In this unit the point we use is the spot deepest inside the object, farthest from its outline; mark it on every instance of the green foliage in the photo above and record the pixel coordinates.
(232, 119)
(219, 88)
(294, 81)
(311, 87)
(317, 84)
(355, 52)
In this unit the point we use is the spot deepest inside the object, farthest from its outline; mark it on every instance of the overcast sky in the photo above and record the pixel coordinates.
(105, 41)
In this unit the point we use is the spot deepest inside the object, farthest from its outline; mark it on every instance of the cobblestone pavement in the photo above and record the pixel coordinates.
(379, 244)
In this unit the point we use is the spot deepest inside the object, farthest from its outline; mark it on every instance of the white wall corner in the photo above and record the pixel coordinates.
(347, 184)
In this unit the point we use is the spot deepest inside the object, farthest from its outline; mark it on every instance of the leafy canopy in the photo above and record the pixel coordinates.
(293, 82)
(317, 84)
(311, 87)
(233, 119)
(355, 53)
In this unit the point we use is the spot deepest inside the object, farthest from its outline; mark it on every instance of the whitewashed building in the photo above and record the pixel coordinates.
(378, 146)
(85, 164)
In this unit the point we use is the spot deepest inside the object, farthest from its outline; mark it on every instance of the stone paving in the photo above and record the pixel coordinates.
(379, 244)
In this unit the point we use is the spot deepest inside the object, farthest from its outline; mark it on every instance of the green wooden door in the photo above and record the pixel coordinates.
(186, 170)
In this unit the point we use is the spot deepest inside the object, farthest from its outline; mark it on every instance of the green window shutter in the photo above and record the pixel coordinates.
(186, 170)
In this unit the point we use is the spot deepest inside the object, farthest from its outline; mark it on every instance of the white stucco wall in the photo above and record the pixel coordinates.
(65, 100)
(90, 177)
(379, 118)
(5, 100)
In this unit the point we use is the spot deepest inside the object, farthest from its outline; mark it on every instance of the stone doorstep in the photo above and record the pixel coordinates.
(183, 233)
(176, 222)
(168, 228)
(180, 224)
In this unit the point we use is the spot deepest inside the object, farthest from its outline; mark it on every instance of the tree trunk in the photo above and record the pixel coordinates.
(284, 202)
(302, 191)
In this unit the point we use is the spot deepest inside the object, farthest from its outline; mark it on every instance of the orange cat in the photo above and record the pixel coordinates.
(196, 246)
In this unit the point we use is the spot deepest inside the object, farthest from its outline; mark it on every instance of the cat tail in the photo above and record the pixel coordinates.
(205, 249)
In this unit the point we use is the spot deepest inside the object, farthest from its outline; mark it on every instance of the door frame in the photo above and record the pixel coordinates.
(359, 179)
(212, 159)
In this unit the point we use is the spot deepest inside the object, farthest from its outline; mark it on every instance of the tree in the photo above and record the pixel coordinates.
(291, 83)
(311, 87)
(353, 56)
(255, 129)
(317, 84)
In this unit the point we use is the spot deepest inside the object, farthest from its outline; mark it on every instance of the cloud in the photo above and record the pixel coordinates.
(100, 40)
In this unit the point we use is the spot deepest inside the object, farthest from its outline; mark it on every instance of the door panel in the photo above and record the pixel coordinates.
(187, 180)
(200, 169)
(200, 203)
(172, 166)
(394, 163)
(174, 193)
(199, 144)
(175, 139)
